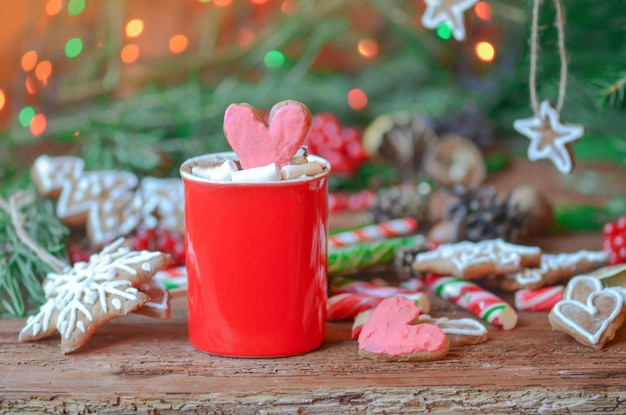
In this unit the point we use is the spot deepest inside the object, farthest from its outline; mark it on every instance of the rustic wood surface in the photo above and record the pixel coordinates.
(139, 365)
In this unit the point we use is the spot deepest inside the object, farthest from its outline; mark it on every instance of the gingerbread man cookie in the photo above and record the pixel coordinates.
(477, 259)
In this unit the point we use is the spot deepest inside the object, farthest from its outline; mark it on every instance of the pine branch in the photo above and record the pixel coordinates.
(613, 94)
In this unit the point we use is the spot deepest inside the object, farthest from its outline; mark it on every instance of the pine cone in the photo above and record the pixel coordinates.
(401, 140)
(483, 215)
(402, 201)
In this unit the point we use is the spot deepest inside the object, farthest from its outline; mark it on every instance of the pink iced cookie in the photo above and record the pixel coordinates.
(389, 335)
(258, 144)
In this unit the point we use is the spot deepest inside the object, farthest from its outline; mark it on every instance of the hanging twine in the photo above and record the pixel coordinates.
(13, 208)
(534, 46)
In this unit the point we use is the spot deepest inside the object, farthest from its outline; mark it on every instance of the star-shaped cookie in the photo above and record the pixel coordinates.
(549, 138)
(447, 11)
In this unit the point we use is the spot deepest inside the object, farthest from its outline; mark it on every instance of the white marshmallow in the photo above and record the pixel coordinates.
(267, 173)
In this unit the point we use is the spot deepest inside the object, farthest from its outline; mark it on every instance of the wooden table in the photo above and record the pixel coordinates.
(140, 365)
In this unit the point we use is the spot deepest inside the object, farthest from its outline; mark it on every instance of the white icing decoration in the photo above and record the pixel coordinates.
(146, 266)
(116, 303)
(465, 254)
(81, 326)
(454, 326)
(89, 284)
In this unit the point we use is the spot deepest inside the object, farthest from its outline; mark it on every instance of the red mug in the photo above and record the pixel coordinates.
(256, 263)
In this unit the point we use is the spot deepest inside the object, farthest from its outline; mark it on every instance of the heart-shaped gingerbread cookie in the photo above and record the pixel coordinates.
(389, 335)
(258, 144)
(593, 320)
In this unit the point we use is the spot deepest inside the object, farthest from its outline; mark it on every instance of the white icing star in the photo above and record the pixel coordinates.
(447, 11)
(549, 138)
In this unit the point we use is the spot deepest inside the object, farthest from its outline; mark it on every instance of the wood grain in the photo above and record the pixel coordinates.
(140, 365)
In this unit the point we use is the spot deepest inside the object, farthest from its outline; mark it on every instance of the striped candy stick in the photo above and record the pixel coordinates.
(340, 285)
(541, 299)
(346, 306)
(383, 230)
(174, 279)
(338, 202)
(474, 299)
(363, 255)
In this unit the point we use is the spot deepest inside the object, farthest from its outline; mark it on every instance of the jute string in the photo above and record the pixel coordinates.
(534, 47)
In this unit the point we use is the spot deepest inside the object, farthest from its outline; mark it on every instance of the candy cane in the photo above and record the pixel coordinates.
(174, 279)
(383, 230)
(540, 299)
(341, 285)
(346, 306)
(353, 202)
(358, 256)
(475, 299)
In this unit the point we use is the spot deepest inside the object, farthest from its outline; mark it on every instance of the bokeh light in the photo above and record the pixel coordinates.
(29, 60)
(222, 3)
(244, 37)
(53, 7)
(129, 53)
(368, 48)
(274, 59)
(444, 31)
(38, 124)
(75, 7)
(30, 85)
(357, 99)
(289, 7)
(258, 2)
(43, 70)
(134, 27)
(485, 51)
(483, 10)
(73, 47)
(3, 99)
(178, 43)
(26, 116)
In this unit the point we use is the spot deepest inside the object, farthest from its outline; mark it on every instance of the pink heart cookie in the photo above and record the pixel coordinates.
(258, 144)
(389, 335)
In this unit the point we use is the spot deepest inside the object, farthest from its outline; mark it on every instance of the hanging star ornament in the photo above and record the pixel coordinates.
(451, 12)
(549, 138)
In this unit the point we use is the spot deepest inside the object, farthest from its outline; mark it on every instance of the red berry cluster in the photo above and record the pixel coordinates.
(160, 240)
(342, 147)
(615, 240)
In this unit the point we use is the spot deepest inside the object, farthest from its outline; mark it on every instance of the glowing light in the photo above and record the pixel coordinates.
(134, 27)
(274, 59)
(244, 37)
(222, 3)
(53, 7)
(444, 31)
(357, 99)
(368, 48)
(29, 60)
(75, 7)
(30, 85)
(38, 124)
(129, 53)
(483, 10)
(3, 99)
(178, 43)
(26, 116)
(73, 47)
(289, 7)
(258, 1)
(43, 70)
(485, 51)
(204, 1)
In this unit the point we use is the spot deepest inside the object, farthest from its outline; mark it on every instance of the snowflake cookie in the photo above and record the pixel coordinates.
(91, 293)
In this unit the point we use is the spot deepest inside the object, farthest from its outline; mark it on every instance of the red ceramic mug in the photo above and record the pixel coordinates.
(256, 263)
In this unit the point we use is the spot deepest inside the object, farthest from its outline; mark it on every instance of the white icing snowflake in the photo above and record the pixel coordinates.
(77, 292)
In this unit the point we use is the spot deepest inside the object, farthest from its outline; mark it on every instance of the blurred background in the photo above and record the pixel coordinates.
(143, 84)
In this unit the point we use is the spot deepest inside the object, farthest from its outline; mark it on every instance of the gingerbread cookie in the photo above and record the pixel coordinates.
(589, 313)
(477, 259)
(389, 335)
(158, 306)
(162, 203)
(554, 269)
(92, 293)
(460, 331)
